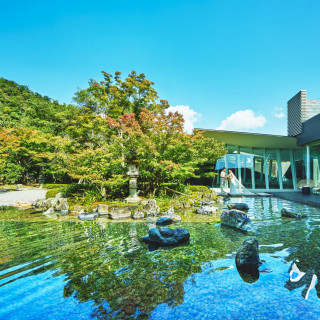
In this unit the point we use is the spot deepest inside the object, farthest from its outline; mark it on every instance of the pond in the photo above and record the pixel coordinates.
(67, 269)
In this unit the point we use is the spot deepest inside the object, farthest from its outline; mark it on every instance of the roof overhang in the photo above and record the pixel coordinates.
(252, 140)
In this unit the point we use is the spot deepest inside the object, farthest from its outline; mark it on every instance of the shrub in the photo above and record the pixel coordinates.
(52, 193)
(53, 186)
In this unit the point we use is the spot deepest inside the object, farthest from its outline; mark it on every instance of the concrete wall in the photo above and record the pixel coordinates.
(310, 131)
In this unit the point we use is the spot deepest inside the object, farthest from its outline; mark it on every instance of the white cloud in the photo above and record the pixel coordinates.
(278, 113)
(242, 120)
(189, 115)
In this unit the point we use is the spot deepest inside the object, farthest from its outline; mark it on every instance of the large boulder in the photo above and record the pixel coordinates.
(166, 237)
(78, 209)
(238, 206)
(102, 209)
(168, 219)
(236, 219)
(151, 208)
(41, 205)
(206, 210)
(57, 204)
(247, 257)
(62, 206)
(137, 215)
(288, 214)
(120, 213)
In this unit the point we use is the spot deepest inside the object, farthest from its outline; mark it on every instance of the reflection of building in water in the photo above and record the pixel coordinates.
(299, 279)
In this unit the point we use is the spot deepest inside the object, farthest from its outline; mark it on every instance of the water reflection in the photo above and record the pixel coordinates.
(299, 279)
(80, 270)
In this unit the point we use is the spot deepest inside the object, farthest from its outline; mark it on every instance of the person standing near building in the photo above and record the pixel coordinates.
(223, 180)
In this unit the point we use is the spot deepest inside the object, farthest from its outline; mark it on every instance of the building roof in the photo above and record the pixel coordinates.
(252, 140)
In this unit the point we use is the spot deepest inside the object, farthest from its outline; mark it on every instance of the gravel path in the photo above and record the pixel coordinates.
(9, 198)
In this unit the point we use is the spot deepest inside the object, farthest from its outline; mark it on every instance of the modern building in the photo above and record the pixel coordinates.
(265, 162)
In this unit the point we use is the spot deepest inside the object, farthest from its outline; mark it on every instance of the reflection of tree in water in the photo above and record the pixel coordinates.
(121, 275)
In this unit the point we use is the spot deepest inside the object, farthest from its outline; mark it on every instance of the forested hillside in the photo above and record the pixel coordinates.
(20, 107)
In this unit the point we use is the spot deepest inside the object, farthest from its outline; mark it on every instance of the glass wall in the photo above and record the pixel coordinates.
(259, 169)
(272, 162)
(286, 169)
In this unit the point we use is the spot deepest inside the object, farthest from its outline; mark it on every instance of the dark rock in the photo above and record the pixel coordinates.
(88, 216)
(166, 237)
(120, 213)
(168, 219)
(238, 206)
(247, 257)
(236, 219)
(249, 277)
(164, 221)
(288, 214)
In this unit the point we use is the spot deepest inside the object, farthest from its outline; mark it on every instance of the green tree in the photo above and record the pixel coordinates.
(114, 97)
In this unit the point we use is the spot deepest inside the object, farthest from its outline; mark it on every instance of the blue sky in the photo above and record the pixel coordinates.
(218, 57)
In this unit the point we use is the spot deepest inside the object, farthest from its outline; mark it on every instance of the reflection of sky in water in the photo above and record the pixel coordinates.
(224, 295)
(40, 297)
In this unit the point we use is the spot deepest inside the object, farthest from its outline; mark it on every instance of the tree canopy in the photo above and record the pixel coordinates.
(94, 141)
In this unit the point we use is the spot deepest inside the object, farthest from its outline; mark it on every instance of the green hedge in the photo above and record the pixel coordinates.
(52, 193)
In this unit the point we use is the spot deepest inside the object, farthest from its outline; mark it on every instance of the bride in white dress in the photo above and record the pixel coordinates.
(232, 178)
(236, 188)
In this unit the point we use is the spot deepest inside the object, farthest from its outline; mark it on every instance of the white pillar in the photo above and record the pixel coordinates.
(308, 173)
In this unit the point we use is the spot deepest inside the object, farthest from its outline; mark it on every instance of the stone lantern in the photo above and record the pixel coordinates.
(133, 173)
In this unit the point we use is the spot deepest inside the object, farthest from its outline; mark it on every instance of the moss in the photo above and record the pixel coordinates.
(52, 193)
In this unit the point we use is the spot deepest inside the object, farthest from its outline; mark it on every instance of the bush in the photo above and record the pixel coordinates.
(202, 189)
(53, 186)
(52, 193)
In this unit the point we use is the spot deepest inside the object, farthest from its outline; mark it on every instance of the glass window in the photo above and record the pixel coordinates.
(286, 169)
(246, 163)
(232, 149)
(300, 164)
(259, 169)
(271, 159)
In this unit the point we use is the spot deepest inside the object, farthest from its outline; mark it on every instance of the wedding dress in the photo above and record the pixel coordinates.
(236, 188)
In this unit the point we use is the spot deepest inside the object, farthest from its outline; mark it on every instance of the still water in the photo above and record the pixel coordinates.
(66, 269)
